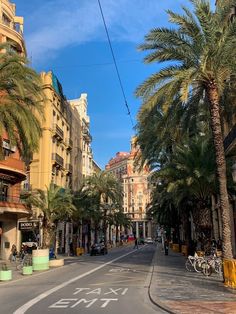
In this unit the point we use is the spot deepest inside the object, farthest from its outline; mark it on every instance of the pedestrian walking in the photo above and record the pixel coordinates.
(166, 246)
(13, 253)
(136, 243)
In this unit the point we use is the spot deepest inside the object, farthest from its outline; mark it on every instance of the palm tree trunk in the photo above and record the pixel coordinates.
(105, 231)
(47, 236)
(117, 230)
(213, 97)
(95, 232)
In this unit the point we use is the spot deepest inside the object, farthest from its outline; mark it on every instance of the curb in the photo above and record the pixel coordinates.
(159, 303)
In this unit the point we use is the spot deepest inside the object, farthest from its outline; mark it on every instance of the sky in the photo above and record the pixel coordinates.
(69, 38)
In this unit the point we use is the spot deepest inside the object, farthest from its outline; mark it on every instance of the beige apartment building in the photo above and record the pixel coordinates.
(81, 104)
(76, 152)
(135, 188)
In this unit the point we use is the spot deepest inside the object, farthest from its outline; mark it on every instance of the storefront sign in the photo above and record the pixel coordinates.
(28, 225)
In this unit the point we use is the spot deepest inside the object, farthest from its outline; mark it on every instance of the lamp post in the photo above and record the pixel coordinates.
(40, 218)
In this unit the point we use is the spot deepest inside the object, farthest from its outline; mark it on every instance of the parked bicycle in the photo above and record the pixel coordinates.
(212, 264)
(205, 264)
(24, 260)
(193, 263)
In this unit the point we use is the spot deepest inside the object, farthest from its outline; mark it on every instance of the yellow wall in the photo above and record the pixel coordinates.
(44, 169)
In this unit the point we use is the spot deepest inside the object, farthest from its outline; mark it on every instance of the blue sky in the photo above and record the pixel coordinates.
(69, 38)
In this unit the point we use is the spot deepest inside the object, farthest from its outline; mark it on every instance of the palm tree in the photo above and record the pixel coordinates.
(21, 96)
(120, 219)
(199, 54)
(87, 211)
(107, 191)
(191, 175)
(55, 204)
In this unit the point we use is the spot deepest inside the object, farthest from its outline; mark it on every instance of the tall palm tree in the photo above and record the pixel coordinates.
(21, 96)
(191, 175)
(120, 219)
(199, 53)
(107, 190)
(87, 210)
(55, 204)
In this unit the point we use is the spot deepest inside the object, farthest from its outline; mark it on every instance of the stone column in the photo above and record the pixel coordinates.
(137, 229)
(149, 229)
(144, 229)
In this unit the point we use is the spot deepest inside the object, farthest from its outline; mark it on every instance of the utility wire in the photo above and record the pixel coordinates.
(114, 60)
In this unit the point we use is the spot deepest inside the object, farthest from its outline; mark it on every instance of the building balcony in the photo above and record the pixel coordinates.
(58, 132)
(69, 168)
(57, 160)
(12, 170)
(69, 143)
(86, 134)
(230, 142)
(14, 205)
(13, 35)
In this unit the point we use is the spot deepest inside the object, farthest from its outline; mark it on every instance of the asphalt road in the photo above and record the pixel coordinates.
(115, 283)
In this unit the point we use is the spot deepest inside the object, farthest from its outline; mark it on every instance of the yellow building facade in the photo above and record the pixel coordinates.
(52, 163)
(11, 26)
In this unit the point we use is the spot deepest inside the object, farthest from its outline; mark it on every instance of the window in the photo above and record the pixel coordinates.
(6, 20)
(4, 190)
(6, 152)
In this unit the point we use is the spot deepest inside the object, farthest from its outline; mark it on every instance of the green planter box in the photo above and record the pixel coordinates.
(5, 275)
(27, 270)
(40, 259)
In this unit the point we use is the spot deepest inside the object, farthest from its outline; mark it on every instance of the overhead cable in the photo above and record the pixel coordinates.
(114, 60)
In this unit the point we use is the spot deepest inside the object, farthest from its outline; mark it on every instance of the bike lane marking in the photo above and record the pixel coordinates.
(29, 304)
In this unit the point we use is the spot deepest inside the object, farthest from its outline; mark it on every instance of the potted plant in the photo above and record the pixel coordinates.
(54, 204)
(5, 273)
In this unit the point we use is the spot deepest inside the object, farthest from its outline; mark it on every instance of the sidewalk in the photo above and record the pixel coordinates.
(179, 291)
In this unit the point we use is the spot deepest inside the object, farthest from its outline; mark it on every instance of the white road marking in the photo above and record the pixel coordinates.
(107, 301)
(122, 270)
(65, 303)
(29, 304)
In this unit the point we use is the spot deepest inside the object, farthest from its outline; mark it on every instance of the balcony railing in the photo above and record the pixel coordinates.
(69, 143)
(58, 159)
(69, 168)
(58, 131)
(11, 199)
(229, 139)
(13, 163)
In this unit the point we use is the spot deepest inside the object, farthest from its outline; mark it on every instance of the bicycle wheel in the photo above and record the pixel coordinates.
(188, 265)
(19, 266)
(218, 267)
(206, 269)
(197, 264)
